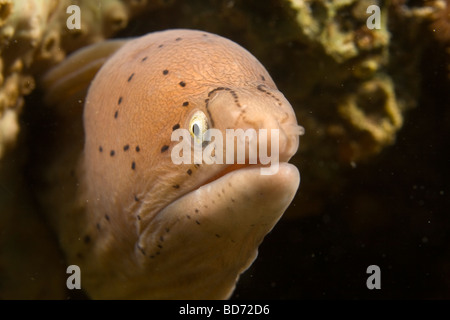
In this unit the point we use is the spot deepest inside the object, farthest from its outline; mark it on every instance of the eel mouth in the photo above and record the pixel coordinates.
(228, 170)
(231, 169)
(225, 171)
(262, 198)
(288, 147)
(215, 229)
(283, 158)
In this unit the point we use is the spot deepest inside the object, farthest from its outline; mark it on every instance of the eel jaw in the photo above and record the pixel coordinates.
(204, 240)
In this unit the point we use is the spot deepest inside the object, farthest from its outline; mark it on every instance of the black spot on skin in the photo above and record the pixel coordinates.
(232, 200)
(126, 147)
(196, 221)
(262, 78)
(116, 114)
(186, 103)
(138, 149)
(106, 217)
(164, 148)
(175, 127)
(144, 58)
(217, 235)
(160, 46)
(120, 100)
(112, 153)
(159, 246)
(205, 35)
(161, 238)
(177, 186)
(165, 72)
(232, 92)
(196, 210)
(133, 165)
(235, 97)
(189, 172)
(152, 257)
(98, 226)
(131, 77)
(167, 230)
(182, 83)
(136, 198)
(262, 88)
(139, 217)
(87, 239)
(178, 39)
(188, 216)
(100, 149)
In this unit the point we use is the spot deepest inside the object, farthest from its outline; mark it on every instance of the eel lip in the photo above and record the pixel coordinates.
(235, 169)
(228, 170)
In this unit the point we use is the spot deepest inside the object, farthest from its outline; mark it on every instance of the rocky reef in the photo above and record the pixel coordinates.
(351, 87)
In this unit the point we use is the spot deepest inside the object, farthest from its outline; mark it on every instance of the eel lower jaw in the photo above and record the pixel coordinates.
(287, 175)
(214, 231)
(284, 157)
(197, 246)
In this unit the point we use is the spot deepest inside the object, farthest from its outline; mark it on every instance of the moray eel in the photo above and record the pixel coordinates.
(148, 228)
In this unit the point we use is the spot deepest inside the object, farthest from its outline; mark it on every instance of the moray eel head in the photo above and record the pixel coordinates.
(164, 230)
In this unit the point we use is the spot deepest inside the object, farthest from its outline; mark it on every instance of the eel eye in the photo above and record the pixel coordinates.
(198, 125)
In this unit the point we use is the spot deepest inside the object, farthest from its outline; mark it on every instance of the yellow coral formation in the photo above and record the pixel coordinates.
(339, 26)
(354, 59)
(373, 113)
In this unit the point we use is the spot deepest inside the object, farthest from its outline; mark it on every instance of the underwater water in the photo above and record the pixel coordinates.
(361, 201)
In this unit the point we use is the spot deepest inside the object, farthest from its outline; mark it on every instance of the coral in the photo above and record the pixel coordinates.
(372, 110)
(366, 112)
(339, 27)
